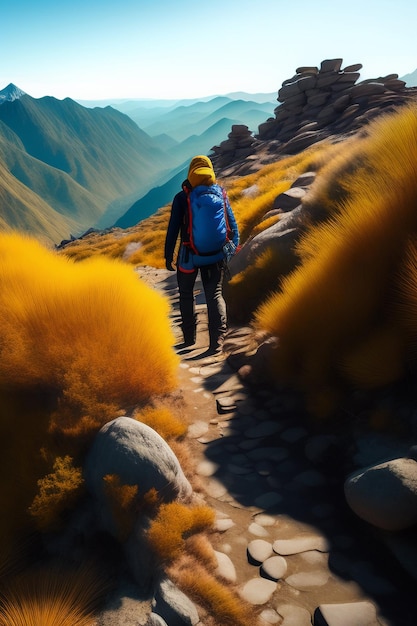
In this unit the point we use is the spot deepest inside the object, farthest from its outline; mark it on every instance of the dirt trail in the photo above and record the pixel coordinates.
(262, 470)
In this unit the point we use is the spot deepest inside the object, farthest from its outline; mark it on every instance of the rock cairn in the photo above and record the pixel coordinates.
(240, 144)
(315, 104)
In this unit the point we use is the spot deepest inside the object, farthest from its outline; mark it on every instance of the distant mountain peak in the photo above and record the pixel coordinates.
(10, 93)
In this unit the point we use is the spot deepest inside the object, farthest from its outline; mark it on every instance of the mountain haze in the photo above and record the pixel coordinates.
(67, 167)
(77, 161)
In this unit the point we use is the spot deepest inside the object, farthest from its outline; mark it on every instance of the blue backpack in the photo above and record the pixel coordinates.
(207, 226)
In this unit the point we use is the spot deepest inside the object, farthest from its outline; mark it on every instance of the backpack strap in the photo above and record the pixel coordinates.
(188, 218)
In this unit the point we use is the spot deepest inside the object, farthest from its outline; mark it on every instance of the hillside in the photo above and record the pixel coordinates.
(75, 163)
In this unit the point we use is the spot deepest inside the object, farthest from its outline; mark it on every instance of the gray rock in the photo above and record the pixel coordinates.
(259, 551)
(347, 614)
(225, 568)
(300, 544)
(274, 568)
(294, 615)
(174, 606)
(385, 495)
(258, 590)
(308, 580)
(139, 456)
(155, 620)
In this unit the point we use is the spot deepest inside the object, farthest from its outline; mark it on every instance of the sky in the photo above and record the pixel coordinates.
(178, 49)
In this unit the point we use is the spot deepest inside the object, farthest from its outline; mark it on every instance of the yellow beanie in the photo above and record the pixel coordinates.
(201, 171)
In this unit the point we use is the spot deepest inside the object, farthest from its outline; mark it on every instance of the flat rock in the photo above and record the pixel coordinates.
(347, 614)
(307, 580)
(300, 544)
(259, 550)
(258, 591)
(274, 568)
(293, 615)
(225, 568)
(385, 495)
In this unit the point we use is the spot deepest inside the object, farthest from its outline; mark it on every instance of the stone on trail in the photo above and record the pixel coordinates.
(258, 590)
(259, 550)
(347, 614)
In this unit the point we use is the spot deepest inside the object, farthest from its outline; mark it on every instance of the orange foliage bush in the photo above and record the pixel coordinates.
(78, 342)
(220, 601)
(123, 503)
(52, 597)
(58, 492)
(173, 523)
(163, 421)
(344, 287)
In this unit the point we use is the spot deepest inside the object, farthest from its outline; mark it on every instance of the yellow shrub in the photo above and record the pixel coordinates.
(248, 289)
(78, 342)
(163, 421)
(174, 522)
(123, 502)
(52, 597)
(344, 286)
(58, 492)
(221, 602)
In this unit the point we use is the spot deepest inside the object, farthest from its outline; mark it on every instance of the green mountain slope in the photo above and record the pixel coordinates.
(78, 161)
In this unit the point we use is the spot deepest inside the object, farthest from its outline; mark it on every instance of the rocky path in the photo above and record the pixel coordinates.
(284, 534)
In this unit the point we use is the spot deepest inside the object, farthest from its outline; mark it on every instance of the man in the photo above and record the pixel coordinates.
(201, 177)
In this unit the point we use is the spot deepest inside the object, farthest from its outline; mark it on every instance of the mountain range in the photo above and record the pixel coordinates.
(67, 166)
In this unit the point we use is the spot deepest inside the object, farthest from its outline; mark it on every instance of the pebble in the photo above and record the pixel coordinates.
(272, 454)
(306, 580)
(294, 615)
(222, 525)
(265, 520)
(274, 568)
(347, 614)
(270, 616)
(268, 500)
(258, 591)
(225, 567)
(264, 429)
(300, 544)
(292, 435)
(259, 550)
(258, 530)
(207, 468)
(198, 429)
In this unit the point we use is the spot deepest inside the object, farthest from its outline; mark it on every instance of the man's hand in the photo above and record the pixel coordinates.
(169, 266)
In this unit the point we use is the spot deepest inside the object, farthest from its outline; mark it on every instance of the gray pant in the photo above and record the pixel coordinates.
(212, 279)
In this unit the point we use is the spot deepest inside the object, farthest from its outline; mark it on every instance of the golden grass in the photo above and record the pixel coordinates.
(122, 501)
(163, 421)
(173, 524)
(249, 209)
(246, 291)
(343, 288)
(58, 492)
(52, 597)
(79, 343)
(222, 603)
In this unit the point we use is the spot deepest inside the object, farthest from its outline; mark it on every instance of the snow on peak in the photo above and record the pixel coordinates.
(10, 93)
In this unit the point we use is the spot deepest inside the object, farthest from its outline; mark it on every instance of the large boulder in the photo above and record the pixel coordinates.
(138, 455)
(385, 495)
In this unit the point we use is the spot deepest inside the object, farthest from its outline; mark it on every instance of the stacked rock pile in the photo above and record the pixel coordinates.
(319, 103)
(240, 144)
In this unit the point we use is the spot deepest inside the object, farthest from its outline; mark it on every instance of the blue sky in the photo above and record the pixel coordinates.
(92, 50)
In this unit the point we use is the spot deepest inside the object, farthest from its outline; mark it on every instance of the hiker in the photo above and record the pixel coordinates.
(200, 187)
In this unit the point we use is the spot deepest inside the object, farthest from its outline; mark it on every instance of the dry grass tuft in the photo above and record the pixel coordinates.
(52, 597)
(163, 421)
(221, 602)
(173, 524)
(344, 286)
(58, 492)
